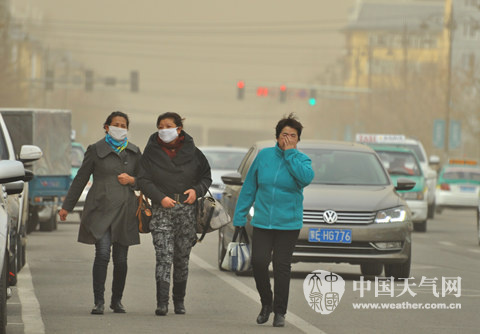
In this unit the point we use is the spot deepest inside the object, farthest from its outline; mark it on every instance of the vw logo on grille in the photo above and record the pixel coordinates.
(330, 216)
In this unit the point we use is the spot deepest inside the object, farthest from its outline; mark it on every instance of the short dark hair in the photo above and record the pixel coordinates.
(116, 114)
(177, 119)
(290, 121)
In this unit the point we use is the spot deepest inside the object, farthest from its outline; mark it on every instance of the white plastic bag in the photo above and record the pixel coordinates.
(238, 255)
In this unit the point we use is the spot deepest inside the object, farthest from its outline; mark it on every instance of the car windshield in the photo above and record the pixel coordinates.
(346, 167)
(413, 147)
(462, 174)
(228, 160)
(77, 156)
(400, 163)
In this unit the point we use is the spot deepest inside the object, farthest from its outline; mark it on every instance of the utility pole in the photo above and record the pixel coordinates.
(450, 26)
(405, 66)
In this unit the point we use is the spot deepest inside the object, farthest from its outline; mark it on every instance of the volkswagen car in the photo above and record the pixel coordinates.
(353, 212)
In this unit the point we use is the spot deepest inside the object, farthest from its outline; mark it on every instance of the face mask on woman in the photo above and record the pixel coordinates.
(168, 135)
(117, 133)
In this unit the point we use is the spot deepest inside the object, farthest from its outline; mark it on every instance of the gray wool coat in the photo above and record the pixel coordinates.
(109, 204)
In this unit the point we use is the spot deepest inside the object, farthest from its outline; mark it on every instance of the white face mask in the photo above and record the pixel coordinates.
(168, 135)
(117, 133)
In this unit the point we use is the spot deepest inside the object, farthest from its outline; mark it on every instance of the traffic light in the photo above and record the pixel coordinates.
(240, 90)
(49, 79)
(313, 97)
(134, 81)
(283, 93)
(262, 91)
(88, 80)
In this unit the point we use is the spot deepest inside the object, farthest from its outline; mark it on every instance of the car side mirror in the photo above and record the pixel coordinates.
(13, 188)
(29, 153)
(11, 171)
(233, 179)
(405, 184)
(28, 175)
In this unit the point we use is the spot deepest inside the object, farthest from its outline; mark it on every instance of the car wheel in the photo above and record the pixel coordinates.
(12, 268)
(3, 296)
(221, 249)
(32, 219)
(420, 227)
(49, 225)
(399, 270)
(431, 211)
(371, 269)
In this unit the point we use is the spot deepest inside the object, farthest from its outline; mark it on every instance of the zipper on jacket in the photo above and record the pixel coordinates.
(273, 195)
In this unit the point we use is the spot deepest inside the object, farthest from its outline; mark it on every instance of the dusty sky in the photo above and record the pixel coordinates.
(190, 54)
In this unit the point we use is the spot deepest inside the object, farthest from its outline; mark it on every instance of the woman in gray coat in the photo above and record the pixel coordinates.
(108, 218)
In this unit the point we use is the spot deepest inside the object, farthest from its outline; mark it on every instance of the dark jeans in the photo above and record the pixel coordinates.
(102, 257)
(276, 246)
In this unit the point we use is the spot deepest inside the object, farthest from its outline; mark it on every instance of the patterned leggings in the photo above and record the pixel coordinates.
(173, 234)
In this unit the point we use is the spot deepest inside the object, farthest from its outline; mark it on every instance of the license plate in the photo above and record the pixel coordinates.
(467, 189)
(342, 236)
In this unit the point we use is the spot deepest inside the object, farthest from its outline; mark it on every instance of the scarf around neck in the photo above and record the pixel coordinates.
(171, 148)
(118, 146)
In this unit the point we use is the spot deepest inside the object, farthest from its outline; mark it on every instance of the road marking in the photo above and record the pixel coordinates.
(447, 243)
(295, 320)
(31, 316)
(474, 250)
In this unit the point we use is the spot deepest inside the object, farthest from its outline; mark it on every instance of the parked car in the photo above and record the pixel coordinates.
(49, 129)
(403, 163)
(352, 211)
(417, 147)
(78, 152)
(10, 171)
(458, 185)
(17, 200)
(222, 160)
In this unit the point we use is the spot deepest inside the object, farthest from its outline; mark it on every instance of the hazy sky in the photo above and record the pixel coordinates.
(191, 53)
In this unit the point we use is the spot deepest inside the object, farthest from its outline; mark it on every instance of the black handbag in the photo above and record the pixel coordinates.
(144, 214)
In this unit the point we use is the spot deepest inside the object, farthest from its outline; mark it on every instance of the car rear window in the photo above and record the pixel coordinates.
(400, 163)
(465, 174)
(346, 167)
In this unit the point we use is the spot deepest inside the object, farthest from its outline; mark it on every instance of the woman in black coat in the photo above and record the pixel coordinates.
(173, 174)
(108, 217)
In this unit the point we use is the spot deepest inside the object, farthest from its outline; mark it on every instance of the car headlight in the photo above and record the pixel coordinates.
(394, 215)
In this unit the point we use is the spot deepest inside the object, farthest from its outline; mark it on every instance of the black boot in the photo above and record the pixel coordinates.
(98, 308)
(163, 289)
(179, 296)
(118, 284)
(279, 320)
(264, 314)
(117, 307)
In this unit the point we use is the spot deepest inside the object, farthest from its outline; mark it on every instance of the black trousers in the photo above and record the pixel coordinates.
(276, 246)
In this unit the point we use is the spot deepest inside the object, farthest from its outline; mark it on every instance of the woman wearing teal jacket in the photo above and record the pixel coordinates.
(274, 186)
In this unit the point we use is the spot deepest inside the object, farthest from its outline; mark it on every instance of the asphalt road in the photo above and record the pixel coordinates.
(54, 291)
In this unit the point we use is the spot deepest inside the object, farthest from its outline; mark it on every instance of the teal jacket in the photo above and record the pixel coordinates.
(274, 186)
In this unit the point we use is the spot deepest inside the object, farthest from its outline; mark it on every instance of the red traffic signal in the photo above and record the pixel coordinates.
(240, 90)
(283, 93)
